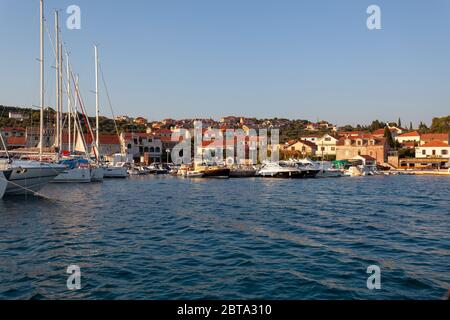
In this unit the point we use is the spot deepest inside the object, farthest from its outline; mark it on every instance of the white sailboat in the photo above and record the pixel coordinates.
(119, 170)
(29, 176)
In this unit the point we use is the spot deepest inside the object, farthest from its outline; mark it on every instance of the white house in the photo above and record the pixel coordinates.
(326, 145)
(433, 149)
(413, 136)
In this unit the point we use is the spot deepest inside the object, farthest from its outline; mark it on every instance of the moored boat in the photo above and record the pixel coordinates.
(243, 172)
(29, 176)
(4, 176)
(280, 170)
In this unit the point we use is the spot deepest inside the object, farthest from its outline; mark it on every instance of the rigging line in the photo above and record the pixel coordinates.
(38, 194)
(80, 101)
(109, 99)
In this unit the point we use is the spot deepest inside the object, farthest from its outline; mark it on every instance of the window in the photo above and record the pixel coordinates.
(129, 146)
(158, 149)
(328, 139)
(333, 149)
(303, 149)
(424, 152)
(146, 149)
(433, 152)
(152, 149)
(323, 148)
(444, 152)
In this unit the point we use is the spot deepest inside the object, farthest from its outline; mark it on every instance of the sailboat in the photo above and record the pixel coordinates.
(29, 176)
(119, 170)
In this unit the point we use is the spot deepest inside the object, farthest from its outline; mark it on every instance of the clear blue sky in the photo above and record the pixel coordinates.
(310, 59)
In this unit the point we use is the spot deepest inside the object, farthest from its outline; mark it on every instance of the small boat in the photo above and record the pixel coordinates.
(120, 170)
(307, 166)
(243, 172)
(77, 171)
(194, 174)
(212, 171)
(280, 170)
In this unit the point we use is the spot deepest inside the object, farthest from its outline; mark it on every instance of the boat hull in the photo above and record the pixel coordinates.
(217, 173)
(77, 175)
(28, 180)
(4, 176)
(283, 174)
(97, 174)
(242, 173)
(115, 173)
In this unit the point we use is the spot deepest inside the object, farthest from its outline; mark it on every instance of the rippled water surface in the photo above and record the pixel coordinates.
(170, 238)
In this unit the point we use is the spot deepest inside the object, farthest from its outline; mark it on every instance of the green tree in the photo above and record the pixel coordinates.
(388, 136)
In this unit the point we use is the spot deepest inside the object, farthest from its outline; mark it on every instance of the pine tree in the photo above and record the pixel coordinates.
(388, 136)
(399, 122)
(410, 126)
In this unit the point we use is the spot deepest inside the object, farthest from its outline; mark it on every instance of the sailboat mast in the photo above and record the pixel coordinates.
(57, 79)
(97, 101)
(41, 126)
(60, 94)
(69, 105)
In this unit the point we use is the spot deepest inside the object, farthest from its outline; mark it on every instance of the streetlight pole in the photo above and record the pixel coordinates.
(167, 153)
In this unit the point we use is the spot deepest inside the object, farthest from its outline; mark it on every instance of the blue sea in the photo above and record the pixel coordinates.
(159, 237)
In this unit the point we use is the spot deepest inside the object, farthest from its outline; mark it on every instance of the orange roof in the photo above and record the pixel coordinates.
(435, 144)
(435, 136)
(8, 129)
(410, 134)
(21, 141)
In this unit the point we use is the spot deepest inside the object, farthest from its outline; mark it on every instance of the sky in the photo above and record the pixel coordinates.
(292, 59)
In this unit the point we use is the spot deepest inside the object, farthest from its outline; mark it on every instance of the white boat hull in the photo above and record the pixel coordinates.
(28, 177)
(77, 175)
(97, 174)
(115, 172)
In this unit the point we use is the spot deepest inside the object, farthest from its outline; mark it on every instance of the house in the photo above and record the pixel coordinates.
(431, 137)
(365, 160)
(140, 121)
(311, 138)
(312, 127)
(380, 132)
(142, 144)
(364, 144)
(433, 149)
(18, 116)
(15, 142)
(109, 144)
(326, 145)
(412, 136)
(304, 147)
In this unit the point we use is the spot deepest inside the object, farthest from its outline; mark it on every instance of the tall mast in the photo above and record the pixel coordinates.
(60, 94)
(57, 79)
(69, 105)
(41, 126)
(97, 101)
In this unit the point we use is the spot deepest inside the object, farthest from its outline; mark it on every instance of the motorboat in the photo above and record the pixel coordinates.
(120, 170)
(280, 170)
(309, 168)
(77, 171)
(242, 172)
(212, 171)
